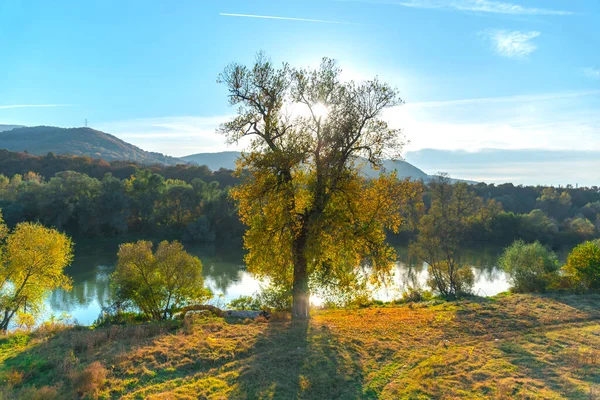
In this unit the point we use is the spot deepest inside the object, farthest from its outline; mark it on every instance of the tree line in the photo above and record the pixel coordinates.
(91, 197)
(143, 204)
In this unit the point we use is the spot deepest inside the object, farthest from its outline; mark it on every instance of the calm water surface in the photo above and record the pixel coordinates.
(225, 274)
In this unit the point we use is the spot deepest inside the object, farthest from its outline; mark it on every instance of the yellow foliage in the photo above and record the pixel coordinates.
(160, 282)
(32, 264)
(349, 233)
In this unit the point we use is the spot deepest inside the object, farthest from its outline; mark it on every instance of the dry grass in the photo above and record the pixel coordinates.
(518, 346)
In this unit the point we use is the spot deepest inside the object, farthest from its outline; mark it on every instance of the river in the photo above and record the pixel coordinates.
(225, 274)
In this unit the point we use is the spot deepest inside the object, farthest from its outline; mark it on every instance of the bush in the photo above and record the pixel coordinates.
(415, 294)
(531, 267)
(273, 298)
(245, 303)
(45, 393)
(90, 380)
(157, 283)
(450, 280)
(29, 393)
(583, 265)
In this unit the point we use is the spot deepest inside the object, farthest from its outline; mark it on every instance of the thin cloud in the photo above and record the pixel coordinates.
(504, 99)
(592, 72)
(34, 106)
(511, 44)
(322, 21)
(484, 6)
(532, 121)
(172, 135)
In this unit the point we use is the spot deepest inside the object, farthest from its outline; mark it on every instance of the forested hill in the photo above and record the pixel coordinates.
(48, 165)
(226, 159)
(40, 140)
(87, 142)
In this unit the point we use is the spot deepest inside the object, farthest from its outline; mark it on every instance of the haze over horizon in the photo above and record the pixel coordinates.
(521, 77)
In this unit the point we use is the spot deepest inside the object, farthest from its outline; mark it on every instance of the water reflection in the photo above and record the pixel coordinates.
(225, 275)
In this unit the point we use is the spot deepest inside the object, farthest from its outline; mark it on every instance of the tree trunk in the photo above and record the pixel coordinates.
(300, 291)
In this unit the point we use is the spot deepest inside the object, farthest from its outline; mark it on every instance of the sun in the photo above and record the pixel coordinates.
(320, 111)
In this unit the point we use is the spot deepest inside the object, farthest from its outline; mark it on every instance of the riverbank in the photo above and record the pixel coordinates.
(512, 346)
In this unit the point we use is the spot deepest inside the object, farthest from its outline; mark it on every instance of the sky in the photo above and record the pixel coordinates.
(516, 79)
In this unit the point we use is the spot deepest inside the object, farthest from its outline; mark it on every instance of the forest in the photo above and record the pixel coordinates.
(93, 198)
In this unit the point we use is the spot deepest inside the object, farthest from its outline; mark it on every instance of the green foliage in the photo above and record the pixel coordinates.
(245, 303)
(531, 267)
(157, 283)
(183, 206)
(454, 210)
(272, 297)
(539, 226)
(32, 261)
(583, 265)
(583, 227)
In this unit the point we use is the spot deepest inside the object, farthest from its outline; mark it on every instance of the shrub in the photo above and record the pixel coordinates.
(14, 378)
(29, 393)
(583, 265)
(531, 267)
(450, 279)
(415, 294)
(273, 297)
(45, 393)
(157, 283)
(245, 303)
(90, 380)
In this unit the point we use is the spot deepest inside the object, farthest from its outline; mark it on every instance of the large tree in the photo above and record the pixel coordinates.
(313, 219)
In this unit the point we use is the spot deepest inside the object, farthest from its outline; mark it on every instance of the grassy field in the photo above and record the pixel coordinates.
(514, 346)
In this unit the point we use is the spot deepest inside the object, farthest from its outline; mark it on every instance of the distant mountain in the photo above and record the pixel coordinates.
(9, 127)
(214, 161)
(40, 140)
(403, 170)
(226, 159)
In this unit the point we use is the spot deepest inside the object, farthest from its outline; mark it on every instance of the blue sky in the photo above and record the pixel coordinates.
(475, 74)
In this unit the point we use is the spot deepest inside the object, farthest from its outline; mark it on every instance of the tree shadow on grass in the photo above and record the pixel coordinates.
(536, 367)
(299, 360)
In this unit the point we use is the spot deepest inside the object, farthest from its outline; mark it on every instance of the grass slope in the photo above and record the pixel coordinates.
(516, 346)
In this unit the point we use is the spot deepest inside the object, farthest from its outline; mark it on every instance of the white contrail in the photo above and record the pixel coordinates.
(34, 106)
(285, 18)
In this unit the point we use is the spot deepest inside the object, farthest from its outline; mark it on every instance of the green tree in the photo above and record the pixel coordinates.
(145, 189)
(313, 219)
(583, 265)
(442, 233)
(537, 225)
(531, 267)
(32, 262)
(157, 283)
(554, 204)
(582, 227)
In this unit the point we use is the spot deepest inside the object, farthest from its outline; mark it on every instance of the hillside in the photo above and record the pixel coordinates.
(214, 161)
(88, 142)
(9, 127)
(507, 347)
(402, 168)
(226, 159)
